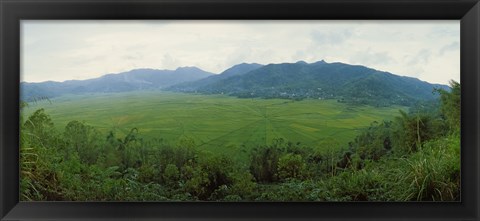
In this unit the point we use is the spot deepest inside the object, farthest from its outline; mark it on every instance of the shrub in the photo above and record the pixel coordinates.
(243, 185)
(171, 175)
(291, 166)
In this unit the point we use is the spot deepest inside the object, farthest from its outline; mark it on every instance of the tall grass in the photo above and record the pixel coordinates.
(434, 172)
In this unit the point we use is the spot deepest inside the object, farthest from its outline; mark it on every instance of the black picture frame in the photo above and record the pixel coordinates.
(12, 11)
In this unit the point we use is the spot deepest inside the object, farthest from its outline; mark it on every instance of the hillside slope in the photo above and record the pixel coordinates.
(322, 80)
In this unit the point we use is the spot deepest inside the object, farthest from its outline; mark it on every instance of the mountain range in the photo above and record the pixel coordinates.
(137, 79)
(300, 80)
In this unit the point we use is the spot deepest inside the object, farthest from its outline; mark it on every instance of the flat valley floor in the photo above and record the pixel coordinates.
(216, 123)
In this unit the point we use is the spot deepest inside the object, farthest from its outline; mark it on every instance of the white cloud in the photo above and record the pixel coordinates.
(62, 50)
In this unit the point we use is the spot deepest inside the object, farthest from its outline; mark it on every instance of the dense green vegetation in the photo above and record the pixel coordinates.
(414, 156)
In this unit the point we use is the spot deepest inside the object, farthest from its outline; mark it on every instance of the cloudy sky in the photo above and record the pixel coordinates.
(64, 50)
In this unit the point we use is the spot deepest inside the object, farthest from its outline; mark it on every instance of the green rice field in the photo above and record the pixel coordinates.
(216, 123)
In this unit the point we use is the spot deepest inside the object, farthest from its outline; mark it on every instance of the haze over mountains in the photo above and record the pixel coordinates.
(137, 79)
(300, 80)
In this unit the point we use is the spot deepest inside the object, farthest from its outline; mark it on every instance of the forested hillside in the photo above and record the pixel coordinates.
(320, 80)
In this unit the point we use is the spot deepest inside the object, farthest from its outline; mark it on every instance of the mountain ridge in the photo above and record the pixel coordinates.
(235, 70)
(321, 80)
(300, 80)
(136, 79)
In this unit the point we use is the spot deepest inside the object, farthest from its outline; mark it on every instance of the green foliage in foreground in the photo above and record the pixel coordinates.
(416, 157)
